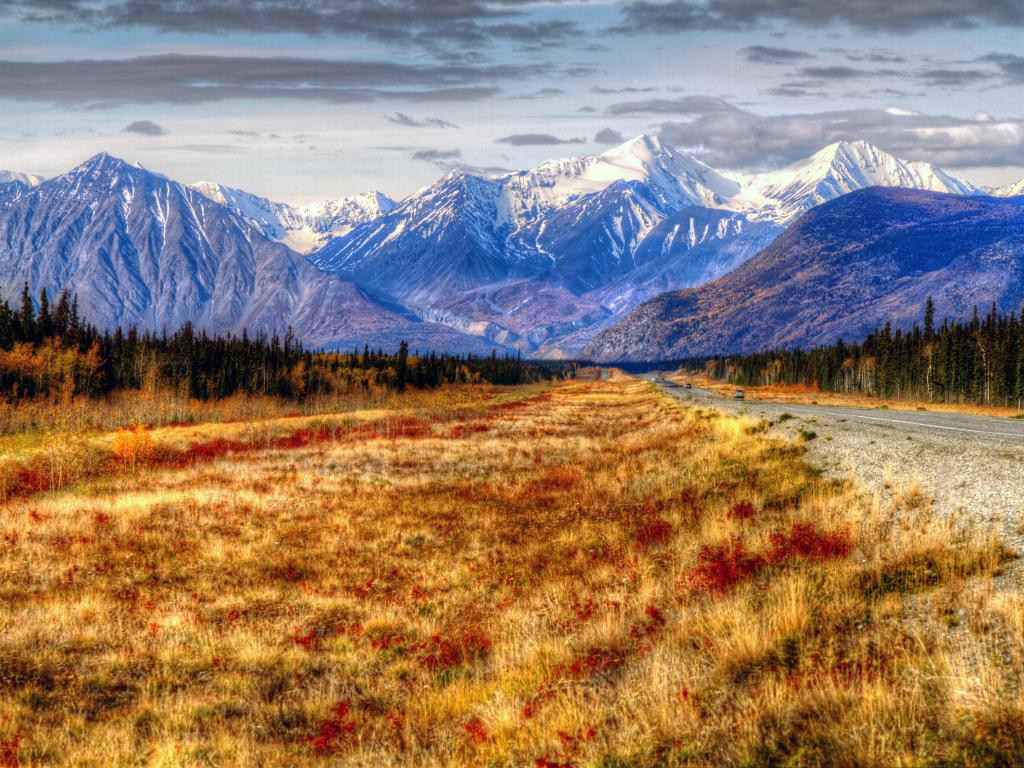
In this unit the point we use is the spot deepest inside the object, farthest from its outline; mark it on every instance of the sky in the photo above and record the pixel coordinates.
(308, 100)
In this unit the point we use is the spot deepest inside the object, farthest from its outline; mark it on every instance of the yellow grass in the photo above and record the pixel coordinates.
(491, 576)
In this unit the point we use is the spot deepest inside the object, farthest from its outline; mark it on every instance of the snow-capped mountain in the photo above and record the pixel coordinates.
(141, 250)
(28, 179)
(1010, 190)
(305, 228)
(539, 260)
(674, 179)
(614, 228)
(845, 268)
(472, 251)
(449, 237)
(836, 170)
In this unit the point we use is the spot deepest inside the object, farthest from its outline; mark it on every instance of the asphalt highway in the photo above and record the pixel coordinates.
(911, 422)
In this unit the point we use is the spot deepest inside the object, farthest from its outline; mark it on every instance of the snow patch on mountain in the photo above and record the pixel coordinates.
(28, 179)
(675, 178)
(303, 229)
(836, 170)
(1010, 190)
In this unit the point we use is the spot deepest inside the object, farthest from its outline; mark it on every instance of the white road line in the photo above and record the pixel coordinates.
(925, 424)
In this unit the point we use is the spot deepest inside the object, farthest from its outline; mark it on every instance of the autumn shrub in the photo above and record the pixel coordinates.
(721, 567)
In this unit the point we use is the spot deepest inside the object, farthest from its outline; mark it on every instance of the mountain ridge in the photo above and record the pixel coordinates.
(842, 270)
(141, 250)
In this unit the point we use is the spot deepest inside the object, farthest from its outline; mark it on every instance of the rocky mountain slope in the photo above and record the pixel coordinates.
(141, 250)
(840, 271)
(303, 229)
(542, 261)
(604, 233)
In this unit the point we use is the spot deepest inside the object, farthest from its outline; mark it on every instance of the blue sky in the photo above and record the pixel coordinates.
(311, 99)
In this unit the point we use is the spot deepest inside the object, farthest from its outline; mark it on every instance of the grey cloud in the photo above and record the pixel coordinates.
(659, 16)
(685, 105)
(766, 54)
(145, 128)
(955, 77)
(835, 72)
(794, 90)
(400, 118)
(876, 58)
(747, 141)
(608, 136)
(628, 89)
(1011, 66)
(422, 22)
(436, 154)
(251, 134)
(535, 140)
(542, 93)
(193, 79)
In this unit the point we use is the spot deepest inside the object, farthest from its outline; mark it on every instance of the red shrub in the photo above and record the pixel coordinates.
(544, 761)
(9, 752)
(595, 660)
(476, 731)
(720, 568)
(583, 610)
(101, 518)
(36, 516)
(301, 438)
(742, 510)
(333, 730)
(310, 641)
(29, 481)
(384, 642)
(805, 541)
(440, 652)
(561, 478)
(653, 532)
(212, 449)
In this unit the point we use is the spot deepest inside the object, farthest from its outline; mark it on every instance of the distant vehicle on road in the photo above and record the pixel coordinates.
(738, 395)
(687, 385)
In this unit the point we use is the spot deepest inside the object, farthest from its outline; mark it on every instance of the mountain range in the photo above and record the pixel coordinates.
(841, 271)
(542, 261)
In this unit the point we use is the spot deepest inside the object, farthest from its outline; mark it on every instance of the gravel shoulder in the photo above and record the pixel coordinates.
(982, 475)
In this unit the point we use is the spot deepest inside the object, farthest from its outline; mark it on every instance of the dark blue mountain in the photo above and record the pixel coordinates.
(840, 271)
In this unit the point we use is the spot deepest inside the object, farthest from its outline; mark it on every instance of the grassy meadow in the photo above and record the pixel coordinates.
(575, 574)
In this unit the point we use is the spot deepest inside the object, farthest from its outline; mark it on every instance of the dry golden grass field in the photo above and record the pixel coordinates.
(584, 574)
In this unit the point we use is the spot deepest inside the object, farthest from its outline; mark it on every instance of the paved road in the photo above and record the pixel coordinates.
(913, 422)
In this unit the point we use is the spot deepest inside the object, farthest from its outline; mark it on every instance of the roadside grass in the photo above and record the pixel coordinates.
(798, 394)
(588, 574)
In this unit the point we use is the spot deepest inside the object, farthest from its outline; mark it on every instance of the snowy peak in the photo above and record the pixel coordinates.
(838, 169)
(1010, 190)
(303, 229)
(674, 179)
(28, 179)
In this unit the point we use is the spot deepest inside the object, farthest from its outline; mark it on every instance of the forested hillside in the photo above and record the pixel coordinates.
(978, 361)
(46, 349)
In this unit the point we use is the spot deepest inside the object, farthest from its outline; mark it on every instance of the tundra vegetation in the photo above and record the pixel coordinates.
(581, 573)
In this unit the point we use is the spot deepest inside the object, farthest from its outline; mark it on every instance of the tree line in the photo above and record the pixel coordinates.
(976, 361)
(46, 348)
